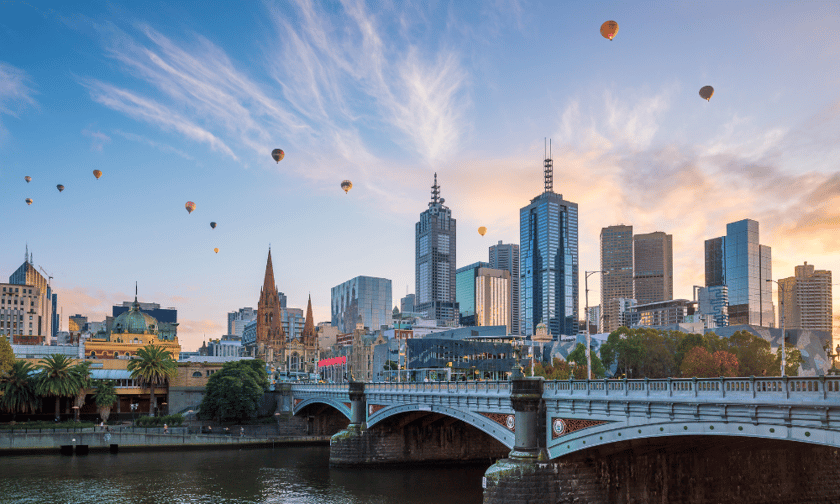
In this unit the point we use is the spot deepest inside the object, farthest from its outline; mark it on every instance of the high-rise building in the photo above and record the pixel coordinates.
(407, 304)
(77, 323)
(617, 265)
(807, 299)
(361, 299)
(435, 254)
(619, 312)
(237, 319)
(714, 301)
(739, 262)
(26, 274)
(505, 256)
(548, 245)
(653, 267)
(465, 292)
(20, 307)
(492, 298)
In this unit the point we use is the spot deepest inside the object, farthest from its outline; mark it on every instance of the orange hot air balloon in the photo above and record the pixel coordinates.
(278, 154)
(28, 201)
(482, 230)
(27, 178)
(706, 92)
(190, 206)
(97, 174)
(59, 187)
(213, 225)
(346, 185)
(216, 250)
(609, 29)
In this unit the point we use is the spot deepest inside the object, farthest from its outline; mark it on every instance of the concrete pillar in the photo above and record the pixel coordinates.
(284, 398)
(358, 406)
(525, 397)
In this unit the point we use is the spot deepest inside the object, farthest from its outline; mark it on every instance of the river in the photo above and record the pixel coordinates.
(299, 475)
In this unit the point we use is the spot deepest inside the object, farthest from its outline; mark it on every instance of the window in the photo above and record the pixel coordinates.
(197, 374)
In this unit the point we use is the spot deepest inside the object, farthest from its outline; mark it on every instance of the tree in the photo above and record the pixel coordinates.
(105, 397)
(578, 356)
(234, 392)
(726, 364)
(698, 362)
(7, 356)
(390, 366)
(58, 379)
(753, 355)
(793, 358)
(558, 370)
(82, 371)
(623, 348)
(19, 389)
(152, 366)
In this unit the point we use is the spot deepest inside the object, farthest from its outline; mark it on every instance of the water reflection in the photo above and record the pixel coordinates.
(288, 475)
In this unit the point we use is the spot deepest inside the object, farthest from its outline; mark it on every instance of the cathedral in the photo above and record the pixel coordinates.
(298, 354)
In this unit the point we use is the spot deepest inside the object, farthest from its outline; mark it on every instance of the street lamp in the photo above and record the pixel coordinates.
(781, 296)
(588, 334)
(133, 409)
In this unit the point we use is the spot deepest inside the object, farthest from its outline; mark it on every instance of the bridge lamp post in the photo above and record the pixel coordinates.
(781, 296)
(588, 334)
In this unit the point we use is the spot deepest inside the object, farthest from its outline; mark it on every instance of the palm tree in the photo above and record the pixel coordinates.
(59, 378)
(19, 389)
(152, 366)
(105, 397)
(82, 372)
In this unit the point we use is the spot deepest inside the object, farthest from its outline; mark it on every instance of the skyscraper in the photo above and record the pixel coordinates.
(26, 274)
(617, 265)
(492, 298)
(807, 299)
(548, 242)
(653, 267)
(739, 262)
(362, 299)
(465, 292)
(506, 257)
(434, 271)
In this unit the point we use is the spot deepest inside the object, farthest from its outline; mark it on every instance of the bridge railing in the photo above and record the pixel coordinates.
(770, 388)
(456, 387)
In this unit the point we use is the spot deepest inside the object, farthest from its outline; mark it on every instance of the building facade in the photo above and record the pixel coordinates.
(407, 304)
(363, 298)
(673, 311)
(20, 310)
(26, 274)
(435, 253)
(617, 268)
(548, 245)
(237, 319)
(167, 317)
(505, 256)
(492, 298)
(653, 267)
(618, 312)
(807, 299)
(714, 302)
(743, 265)
(465, 291)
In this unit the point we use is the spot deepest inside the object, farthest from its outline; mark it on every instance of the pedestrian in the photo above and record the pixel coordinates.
(101, 426)
(241, 431)
(165, 429)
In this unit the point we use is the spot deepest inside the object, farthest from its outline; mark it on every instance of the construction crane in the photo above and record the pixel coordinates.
(49, 277)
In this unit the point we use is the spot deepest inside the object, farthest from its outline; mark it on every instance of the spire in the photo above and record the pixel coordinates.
(548, 170)
(26, 254)
(435, 192)
(268, 282)
(309, 323)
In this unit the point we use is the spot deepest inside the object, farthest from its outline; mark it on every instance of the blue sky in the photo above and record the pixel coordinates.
(178, 101)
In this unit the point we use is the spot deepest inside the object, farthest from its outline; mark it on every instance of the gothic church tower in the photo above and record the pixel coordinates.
(270, 335)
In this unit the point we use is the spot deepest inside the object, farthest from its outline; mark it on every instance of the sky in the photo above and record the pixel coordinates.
(184, 101)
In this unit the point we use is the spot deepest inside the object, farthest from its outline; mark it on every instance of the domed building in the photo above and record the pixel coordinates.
(130, 331)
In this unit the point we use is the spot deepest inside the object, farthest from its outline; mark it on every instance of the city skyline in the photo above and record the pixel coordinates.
(176, 104)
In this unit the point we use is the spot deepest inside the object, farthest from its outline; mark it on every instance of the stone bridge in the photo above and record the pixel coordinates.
(601, 440)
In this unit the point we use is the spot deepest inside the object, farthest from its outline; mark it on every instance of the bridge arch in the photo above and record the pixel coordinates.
(480, 422)
(341, 407)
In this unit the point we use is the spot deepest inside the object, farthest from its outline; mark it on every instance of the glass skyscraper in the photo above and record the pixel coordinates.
(465, 291)
(434, 271)
(739, 262)
(506, 257)
(548, 245)
(363, 299)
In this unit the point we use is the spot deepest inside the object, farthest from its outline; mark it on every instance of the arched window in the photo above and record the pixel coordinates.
(92, 355)
(197, 374)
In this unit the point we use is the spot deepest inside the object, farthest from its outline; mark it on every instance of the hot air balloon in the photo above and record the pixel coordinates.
(213, 225)
(59, 187)
(27, 178)
(346, 185)
(278, 154)
(216, 250)
(28, 201)
(609, 29)
(97, 174)
(706, 92)
(482, 230)
(190, 206)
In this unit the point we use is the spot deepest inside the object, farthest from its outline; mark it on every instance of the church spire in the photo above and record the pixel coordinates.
(309, 323)
(268, 282)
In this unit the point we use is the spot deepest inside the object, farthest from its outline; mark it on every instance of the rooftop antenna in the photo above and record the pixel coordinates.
(435, 192)
(548, 170)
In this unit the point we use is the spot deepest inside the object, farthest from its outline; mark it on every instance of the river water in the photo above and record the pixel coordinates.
(298, 475)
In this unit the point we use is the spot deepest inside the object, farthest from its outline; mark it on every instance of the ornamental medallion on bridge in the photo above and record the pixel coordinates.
(563, 426)
(506, 421)
(373, 408)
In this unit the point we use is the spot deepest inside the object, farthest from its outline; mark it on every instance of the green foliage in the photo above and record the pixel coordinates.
(157, 421)
(60, 378)
(578, 357)
(390, 366)
(234, 392)
(625, 348)
(153, 365)
(41, 424)
(7, 356)
(19, 389)
(558, 370)
(104, 397)
(793, 358)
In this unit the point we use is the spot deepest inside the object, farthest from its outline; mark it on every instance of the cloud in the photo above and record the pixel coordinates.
(15, 91)
(98, 139)
(157, 145)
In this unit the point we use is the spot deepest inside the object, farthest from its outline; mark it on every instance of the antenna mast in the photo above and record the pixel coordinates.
(548, 170)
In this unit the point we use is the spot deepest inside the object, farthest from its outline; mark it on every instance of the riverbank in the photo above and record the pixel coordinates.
(83, 441)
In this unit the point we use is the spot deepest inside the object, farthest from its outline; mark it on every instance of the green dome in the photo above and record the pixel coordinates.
(135, 322)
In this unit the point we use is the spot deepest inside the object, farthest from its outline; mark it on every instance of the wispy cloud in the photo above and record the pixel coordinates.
(98, 139)
(151, 143)
(16, 91)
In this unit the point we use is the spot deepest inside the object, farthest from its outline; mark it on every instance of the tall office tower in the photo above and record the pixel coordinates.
(56, 323)
(739, 262)
(434, 266)
(653, 267)
(407, 304)
(362, 299)
(492, 298)
(26, 274)
(465, 292)
(238, 319)
(506, 257)
(714, 301)
(807, 299)
(617, 263)
(548, 245)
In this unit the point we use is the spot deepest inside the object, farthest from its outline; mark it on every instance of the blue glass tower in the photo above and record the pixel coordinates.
(548, 246)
